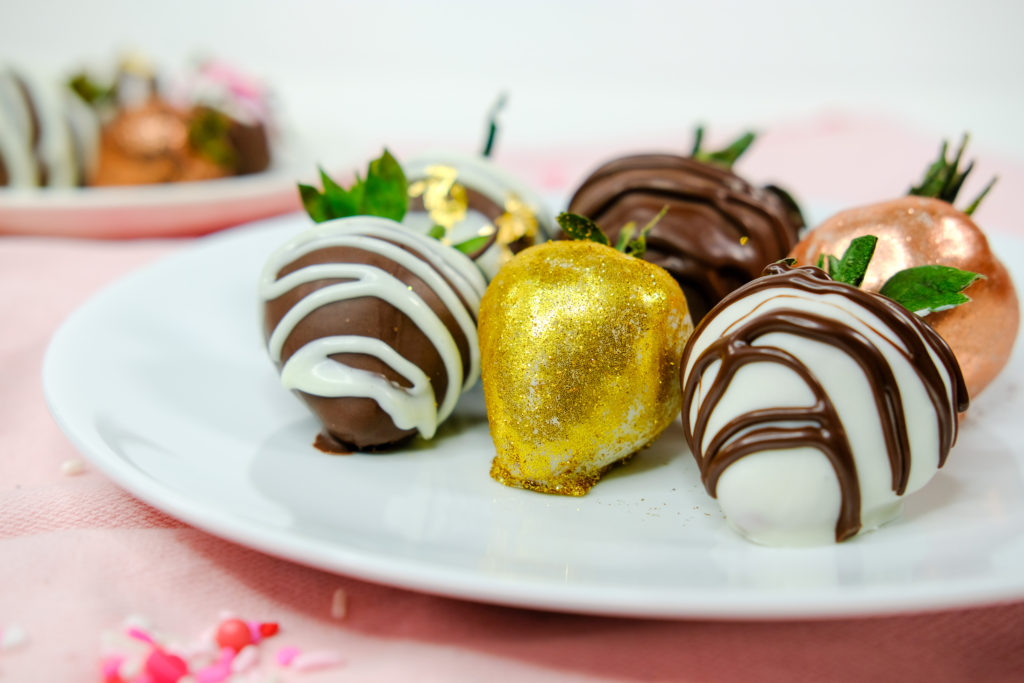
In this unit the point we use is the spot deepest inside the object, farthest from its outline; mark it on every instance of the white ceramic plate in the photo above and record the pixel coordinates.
(162, 381)
(167, 210)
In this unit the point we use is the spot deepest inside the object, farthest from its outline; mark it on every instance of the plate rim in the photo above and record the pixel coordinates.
(458, 583)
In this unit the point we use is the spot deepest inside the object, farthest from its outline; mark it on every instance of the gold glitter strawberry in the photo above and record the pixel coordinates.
(580, 344)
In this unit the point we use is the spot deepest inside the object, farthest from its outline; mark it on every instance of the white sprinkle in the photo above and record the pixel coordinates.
(339, 604)
(317, 660)
(72, 467)
(12, 637)
(136, 621)
(246, 658)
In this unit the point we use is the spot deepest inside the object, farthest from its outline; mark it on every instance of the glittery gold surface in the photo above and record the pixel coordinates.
(580, 349)
(917, 231)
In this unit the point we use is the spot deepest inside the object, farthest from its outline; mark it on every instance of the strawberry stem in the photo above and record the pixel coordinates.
(579, 227)
(492, 125)
(943, 178)
(723, 158)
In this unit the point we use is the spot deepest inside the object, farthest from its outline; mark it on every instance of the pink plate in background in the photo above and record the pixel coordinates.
(169, 210)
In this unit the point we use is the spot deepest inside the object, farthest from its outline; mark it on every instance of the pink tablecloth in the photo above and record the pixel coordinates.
(78, 555)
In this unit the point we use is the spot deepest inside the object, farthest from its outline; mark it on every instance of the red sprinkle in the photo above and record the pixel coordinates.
(163, 667)
(268, 629)
(233, 633)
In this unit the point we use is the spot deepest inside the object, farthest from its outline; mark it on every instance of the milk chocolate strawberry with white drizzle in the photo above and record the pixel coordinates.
(371, 324)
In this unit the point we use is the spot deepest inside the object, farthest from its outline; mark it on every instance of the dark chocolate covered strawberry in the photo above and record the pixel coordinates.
(719, 231)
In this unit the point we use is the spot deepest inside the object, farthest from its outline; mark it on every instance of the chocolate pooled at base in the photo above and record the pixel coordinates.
(718, 233)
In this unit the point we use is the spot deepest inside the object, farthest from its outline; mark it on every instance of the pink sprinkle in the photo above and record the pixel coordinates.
(213, 674)
(317, 660)
(286, 655)
(139, 634)
(111, 667)
(219, 670)
(254, 631)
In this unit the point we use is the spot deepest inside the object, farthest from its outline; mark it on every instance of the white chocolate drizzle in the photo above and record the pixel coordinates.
(313, 371)
(61, 121)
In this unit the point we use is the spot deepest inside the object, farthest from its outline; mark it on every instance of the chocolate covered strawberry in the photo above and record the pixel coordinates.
(580, 344)
(371, 324)
(719, 231)
(813, 407)
(925, 227)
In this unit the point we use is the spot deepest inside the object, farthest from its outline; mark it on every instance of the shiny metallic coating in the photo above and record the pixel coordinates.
(916, 231)
(580, 349)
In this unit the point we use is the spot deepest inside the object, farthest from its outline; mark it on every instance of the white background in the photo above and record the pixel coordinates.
(353, 76)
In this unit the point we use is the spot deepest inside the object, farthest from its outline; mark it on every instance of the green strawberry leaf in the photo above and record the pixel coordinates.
(473, 244)
(384, 193)
(851, 268)
(209, 135)
(831, 264)
(723, 158)
(314, 202)
(625, 236)
(386, 190)
(637, 246)
(339, 201)
(630, 242)
(580, 227)
(973, 206)
(929, 289)
(91, 91)
(943, 178)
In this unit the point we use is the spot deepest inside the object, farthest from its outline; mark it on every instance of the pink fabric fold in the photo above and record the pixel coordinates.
(78, 555)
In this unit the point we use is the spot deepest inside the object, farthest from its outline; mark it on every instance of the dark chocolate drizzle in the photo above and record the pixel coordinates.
(757, 430)
(700, 240)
